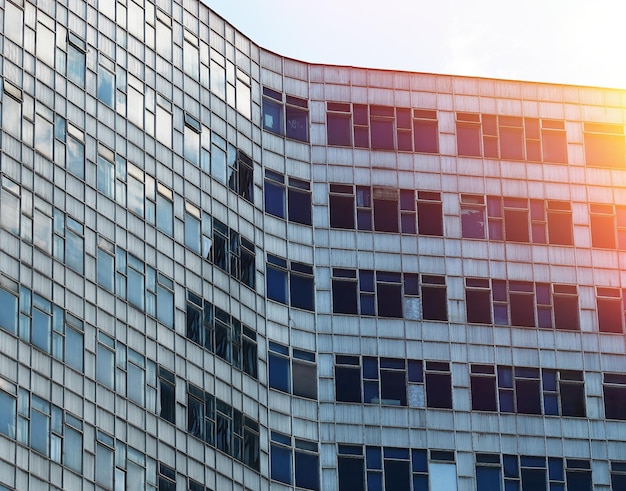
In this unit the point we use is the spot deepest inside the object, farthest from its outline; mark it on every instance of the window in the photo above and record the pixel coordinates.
(434, 299)
(348, 378)
(297, 375)
(468, 135)
(296, 115)
(297, 207)
(76, 49)
(7, 410)
(191, 139)
(604, 145)
(382, 127)
(193, 233)
(167, 478)
(351, 467)
(522, 303)
(392, 381)
(297, 118)
(167, 395)
(483, 388)
(240, 178)
(553, 141)
(563, 392)
(222, 426)
(222, 334)
(12, 109)
(384, 468)
(338, 124)
(341, 203)
(300, 280)
(429, 213)
(519, 390)
(565, 304)
(8, 307)
(385, 208)
(191, 60)
(618, 475)
(614, 389)
(106, 81)
(425, 131)
(472, 216)
(305, 461)
(388, 294)
(75, 155)
(610, 310)
(272, 111)
(602, 220)
(488, 472)
(560, 230)
(164, 209)
(478, 300)
(68, 241)
(233, 254)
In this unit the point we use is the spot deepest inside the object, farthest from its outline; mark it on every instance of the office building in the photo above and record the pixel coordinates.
(221, 269)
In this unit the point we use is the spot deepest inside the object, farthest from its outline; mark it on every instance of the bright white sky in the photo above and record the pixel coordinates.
(580, 42)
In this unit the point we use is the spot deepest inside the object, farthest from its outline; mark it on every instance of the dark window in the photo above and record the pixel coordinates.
(344, 285)
(610, 312)
(307, 465)
(403, 129)
(425, 131)
(478, 300)
(301, 286)
(351, 468)
(167, 478)
(483, 388)
(604, 145)
(468, 135)
(572, 392)
(527, 390)
(385, 209)
(274, 194)
(522, 303)
(279, 369)
(360, 118)
(565, 300)
(429, 213)
(297, 118)
(578, 473)
(434, 299)
(407, 211)
(488, 475)
(560, 230)
(240, 177)
(381, 126)
(438, 385)
(341, 202)
(389, 294)
(299, 200)
(490, 136)
(196, 412)
(347, 379)
(618, 476)
(167, 395)
(472, 216)
(276, 277)
(495, 217)
(614, 396)
(364, 207)
(280, 462)
(338, 124)
(602, 226)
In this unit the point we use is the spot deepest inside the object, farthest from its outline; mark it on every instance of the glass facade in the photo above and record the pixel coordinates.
(221, 269)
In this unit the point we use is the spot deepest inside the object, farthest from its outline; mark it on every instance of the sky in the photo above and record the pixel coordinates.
(579, 42)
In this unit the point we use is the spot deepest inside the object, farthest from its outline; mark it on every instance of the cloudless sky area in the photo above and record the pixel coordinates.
(579, 42)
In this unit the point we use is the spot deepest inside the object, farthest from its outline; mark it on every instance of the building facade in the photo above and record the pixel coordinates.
(221, 269)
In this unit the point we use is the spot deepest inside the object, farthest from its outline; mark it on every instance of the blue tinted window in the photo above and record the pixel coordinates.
(7, 415)
(307, 470)
(351, 474)
(488, 479)
(279, 372)
(276, 284)
(274, 199)
(281, 464)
